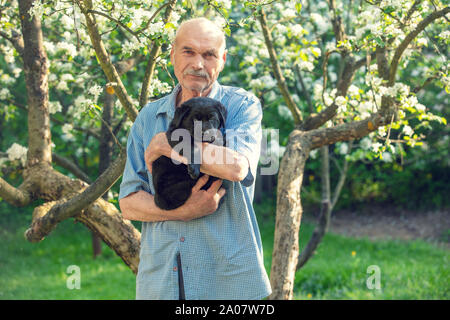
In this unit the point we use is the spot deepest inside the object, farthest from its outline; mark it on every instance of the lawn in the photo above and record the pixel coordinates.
(409, 270)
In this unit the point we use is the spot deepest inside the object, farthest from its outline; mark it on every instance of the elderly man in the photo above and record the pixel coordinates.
(199, 250)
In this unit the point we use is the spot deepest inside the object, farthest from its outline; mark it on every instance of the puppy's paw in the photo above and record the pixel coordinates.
(194, 170)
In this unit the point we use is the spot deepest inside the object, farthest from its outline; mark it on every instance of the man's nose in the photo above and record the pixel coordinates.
(198, 62)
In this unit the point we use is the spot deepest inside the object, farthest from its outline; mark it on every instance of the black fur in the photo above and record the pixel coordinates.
(173, 182)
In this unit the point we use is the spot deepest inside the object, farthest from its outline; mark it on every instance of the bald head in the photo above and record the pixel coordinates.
(198, 56)
(201, 27)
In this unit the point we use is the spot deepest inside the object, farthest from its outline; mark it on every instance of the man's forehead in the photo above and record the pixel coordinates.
(198, 43)
(199, 36)
(198, 48)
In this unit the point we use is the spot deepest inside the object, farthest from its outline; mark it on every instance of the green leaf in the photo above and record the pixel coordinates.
(379, 42)
(303, 56)
(227, 31)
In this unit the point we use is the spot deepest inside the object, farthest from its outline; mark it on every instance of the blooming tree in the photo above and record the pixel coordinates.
(338, 72)
(369, 98)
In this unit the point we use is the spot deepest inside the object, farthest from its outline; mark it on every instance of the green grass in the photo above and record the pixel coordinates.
(38, 270)
(409, 270)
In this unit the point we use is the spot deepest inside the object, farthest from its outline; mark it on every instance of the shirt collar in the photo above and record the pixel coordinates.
(169, 106)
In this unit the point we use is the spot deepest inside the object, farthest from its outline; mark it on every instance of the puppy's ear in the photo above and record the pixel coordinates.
(179, 115)
(222, 113)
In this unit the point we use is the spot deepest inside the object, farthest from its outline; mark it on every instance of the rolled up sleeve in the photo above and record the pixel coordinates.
(135, 176)
(243, 134)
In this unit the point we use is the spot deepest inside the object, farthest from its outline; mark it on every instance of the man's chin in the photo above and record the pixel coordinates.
(196, 87)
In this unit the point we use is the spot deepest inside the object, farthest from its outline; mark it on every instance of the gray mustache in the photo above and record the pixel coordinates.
(197, 73)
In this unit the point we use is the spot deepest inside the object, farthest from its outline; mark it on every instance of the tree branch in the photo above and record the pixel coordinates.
(409, 38)
(150, 69)
(16, 40)
(105, 62)
(281, 81)
(63, 209)
(18, 197)
(72, 167)
(346, 131)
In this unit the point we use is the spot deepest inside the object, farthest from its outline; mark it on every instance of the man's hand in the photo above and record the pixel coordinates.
(202, 202)
(159, 146)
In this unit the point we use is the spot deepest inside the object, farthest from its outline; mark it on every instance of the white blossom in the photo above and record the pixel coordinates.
(445, 34)
(376, 146)
(16, 72)
(382, 131)
(67, 134)
(268, 81)
(62, 85)
(306, 65)
(17, 152)
(4, 93)
(96, 90)
(54, 106)
(341, 102)
(408, 130)
(284, 112)
(366, 143)
(353, 90)
(386, 157)
(157, 27)
(68, 47)
(315, 51)
(343, 148)
(297, 31)
(289, 13)
(37, 9)
(320, 22)
(67, 77)
(422, 42)
(330, 46)
(8, 54)
(317, 91)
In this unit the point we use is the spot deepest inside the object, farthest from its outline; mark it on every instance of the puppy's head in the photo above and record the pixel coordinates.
(210, 113)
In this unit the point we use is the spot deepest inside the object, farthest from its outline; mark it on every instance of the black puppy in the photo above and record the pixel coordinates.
(173, 182)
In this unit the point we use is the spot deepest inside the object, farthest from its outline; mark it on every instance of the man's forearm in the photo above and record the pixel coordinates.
(140, 206)
(217, 161)
(223, 163)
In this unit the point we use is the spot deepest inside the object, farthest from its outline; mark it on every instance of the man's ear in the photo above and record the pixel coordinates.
(171, 54)
(224, 59)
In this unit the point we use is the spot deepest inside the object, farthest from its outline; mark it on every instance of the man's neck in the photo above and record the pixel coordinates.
(185, 95)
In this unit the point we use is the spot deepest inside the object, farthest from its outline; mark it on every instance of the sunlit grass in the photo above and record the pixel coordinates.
(409, 269)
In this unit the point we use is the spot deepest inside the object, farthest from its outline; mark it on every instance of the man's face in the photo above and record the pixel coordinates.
(197, 58)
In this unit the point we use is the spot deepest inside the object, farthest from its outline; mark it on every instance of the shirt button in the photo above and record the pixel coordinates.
(174, 268)
(182, 239)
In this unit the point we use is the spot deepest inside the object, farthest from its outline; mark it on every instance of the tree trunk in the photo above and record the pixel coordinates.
(325, 211)
(35, 64)
(288, 216)
(105, 153)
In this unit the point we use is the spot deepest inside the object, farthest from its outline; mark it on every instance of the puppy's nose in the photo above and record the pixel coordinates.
(210, 139)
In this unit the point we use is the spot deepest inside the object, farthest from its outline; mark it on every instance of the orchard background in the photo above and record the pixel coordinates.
(358, 91)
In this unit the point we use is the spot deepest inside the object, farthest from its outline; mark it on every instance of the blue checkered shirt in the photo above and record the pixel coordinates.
(221, 253)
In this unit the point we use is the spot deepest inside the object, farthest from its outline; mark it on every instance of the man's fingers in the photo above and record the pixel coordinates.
(215, 186)
(201, 182)
(221, 192)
